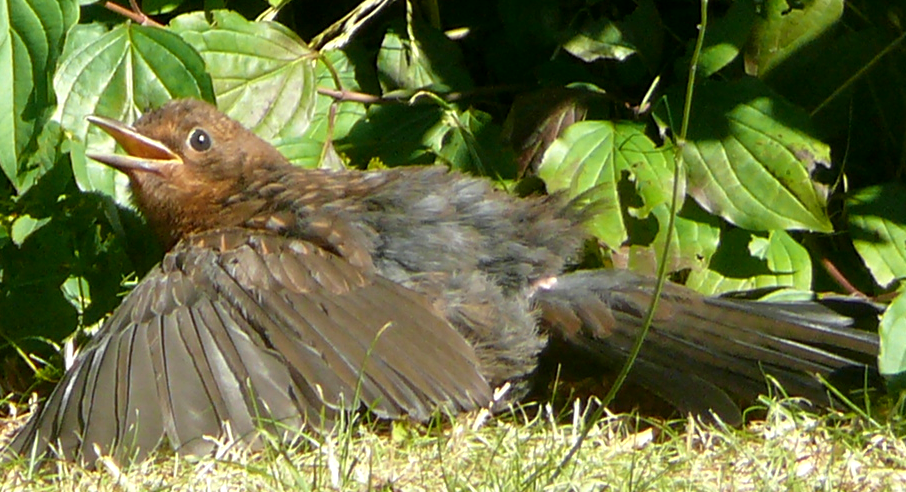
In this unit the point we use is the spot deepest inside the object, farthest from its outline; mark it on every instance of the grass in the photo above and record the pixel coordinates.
(790, 449)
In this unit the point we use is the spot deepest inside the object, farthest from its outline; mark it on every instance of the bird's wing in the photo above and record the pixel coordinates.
(233, 326)
(702, 354)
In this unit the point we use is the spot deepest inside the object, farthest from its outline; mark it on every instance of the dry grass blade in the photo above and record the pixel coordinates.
(790, 449)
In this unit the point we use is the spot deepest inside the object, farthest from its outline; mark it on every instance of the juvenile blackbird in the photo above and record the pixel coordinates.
(289, 295)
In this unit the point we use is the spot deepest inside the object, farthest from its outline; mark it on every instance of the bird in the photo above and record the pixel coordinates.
(290, 295)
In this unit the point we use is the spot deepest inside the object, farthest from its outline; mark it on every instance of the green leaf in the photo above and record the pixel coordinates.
(892, 329)
(77, 291)
(429, 60)
(695, 239)
(348, 113)
(599, 40)
(303, 152)
(725, 38)
(395, 134)
(774, 260)
(639, 34)
(595, 157)
(877, 225)
(430, 134)
(43, 159)
(31, 39)
(158, 7)
(784, 27)
(24, 226)
(751, 156)
(315, 148)
(75, 241)
(120, 74)
(264, 75)
(469, 141)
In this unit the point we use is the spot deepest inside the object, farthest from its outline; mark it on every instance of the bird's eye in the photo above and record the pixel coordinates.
(200, 140)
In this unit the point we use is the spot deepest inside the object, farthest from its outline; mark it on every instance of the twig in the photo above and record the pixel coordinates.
(838, 277)
(406, 96)
(135, 14)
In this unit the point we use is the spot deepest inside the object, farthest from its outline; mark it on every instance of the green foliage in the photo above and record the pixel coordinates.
(593, 158)
(751, 157)
(250, 62)
(31, 37)
(793, 157)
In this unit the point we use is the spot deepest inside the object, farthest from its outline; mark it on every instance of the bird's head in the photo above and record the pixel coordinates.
(187, 163)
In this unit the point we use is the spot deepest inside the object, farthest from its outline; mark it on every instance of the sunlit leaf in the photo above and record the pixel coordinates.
(751, 159)
(592, 158)
(695, 239)
(347, 113)
(430, 60)
(158, 7)
(747, 261)
(24, 226)
(332, 120)
(601, 39)
(785, 27)
(31, 37)
(264, 75)
(726, 37)
(877, 225)
(639, 35)
(892, 359)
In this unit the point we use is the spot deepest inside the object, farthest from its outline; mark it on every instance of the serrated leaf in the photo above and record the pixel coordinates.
(892, 329)
(264, 75)
(784, 27)
(469, 141)
(331, 121)
(750, 159)
(430, 60)
(43, 159)
(592, 158)
(395, 134)
(877, 224)
(348, 113)
(31, 39)
(747, 261)
(694, 241)
(119, 74)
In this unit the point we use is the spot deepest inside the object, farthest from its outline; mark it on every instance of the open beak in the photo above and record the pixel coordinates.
(145, 154)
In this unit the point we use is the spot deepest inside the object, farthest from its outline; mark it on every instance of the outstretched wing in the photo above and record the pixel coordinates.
(233, 327)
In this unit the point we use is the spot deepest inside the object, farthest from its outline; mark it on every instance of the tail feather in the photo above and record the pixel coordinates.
(702, 354)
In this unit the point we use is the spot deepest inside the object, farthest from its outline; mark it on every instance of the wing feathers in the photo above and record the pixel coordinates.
(239, 328)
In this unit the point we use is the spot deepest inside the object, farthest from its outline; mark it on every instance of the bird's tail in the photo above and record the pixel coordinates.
(704, 354)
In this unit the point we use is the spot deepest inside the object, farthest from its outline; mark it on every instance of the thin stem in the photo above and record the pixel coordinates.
(662, 266)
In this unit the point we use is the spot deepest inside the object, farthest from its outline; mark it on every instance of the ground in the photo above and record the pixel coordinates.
(790, 449)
